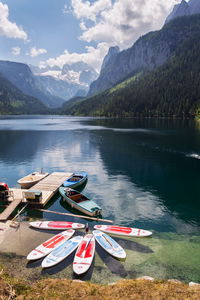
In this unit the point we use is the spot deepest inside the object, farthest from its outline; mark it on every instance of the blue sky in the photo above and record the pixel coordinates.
(54, 32)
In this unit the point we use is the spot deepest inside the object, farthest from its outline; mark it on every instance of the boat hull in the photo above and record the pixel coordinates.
(31, 179)
(74, 184)
(109, 244)
(60, 253)
(56, 225)
(84, 255)
(49, 245)
(126, 231)
(86, 210)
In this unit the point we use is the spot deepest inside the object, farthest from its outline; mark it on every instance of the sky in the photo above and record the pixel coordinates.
(54, 32)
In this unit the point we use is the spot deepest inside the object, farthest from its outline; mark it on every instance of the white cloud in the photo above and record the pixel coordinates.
(16, 51)
(7, 28)
(83, 26)
(123, 22)
(92, 56)
(82, 9)
(35, 52)
(66, 10)
(110, 23)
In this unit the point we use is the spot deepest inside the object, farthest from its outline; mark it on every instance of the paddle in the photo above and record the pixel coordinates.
(109, 242)
(72, 215)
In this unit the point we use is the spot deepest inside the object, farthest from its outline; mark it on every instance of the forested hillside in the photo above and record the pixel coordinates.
(171, 90)
(13, 101)
(148, 53)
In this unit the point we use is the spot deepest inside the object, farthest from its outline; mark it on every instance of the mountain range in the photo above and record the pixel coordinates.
(157, 76)
(51, 86)
(149, 52)
(131, 82)
(184, 9)
(14, 101)
(66, 82)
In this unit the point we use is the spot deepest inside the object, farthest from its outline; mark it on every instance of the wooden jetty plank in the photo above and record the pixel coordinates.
(52, 182)
(19, 193)
(9, 209)
(47, 186)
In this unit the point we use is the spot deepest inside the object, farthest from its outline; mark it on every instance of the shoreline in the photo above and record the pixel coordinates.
(3, 228)
(32, 286)
(138, 289)
(16, 243)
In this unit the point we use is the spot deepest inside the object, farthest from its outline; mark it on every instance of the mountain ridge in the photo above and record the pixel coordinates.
(171, 89)
(184, 9)
(14, 101)
(20, 75)
(148, 52)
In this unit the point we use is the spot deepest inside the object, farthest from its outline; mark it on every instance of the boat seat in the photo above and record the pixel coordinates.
(74, 179)
(78, 198)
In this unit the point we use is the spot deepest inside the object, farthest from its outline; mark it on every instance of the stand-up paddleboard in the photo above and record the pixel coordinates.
(49, 245)
(84, 254)
(127, 231)
(110, 245)
(56, 225)
(61, 252)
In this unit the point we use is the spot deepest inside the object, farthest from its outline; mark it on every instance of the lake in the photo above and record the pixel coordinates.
(143, 173)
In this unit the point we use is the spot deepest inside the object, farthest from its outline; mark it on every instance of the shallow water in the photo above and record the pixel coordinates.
(144, 173)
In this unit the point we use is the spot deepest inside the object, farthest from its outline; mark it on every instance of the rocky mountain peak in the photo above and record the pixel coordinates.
(194, 6)
(184, 9)
(111, 52)
(179, 10)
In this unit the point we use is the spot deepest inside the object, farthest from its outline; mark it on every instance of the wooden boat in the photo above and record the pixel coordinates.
(110, 245)
(80, 202)
(126, 231)
(60, 253)
(75, 180)
(84, 255)
(31, 179)
(49, 245)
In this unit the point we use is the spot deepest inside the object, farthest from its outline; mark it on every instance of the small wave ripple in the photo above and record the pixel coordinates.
(194, 155)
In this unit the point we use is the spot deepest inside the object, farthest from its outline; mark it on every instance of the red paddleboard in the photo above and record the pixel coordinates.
(51, 244)
(84, 254)
(56, 225)
(127, 231)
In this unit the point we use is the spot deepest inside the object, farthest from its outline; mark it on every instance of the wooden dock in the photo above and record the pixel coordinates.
(47, 186)
(9, 209)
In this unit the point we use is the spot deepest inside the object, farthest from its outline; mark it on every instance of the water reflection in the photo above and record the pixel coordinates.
(140, 172)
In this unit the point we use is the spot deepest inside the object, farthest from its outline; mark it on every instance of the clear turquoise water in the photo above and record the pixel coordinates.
(143, 173)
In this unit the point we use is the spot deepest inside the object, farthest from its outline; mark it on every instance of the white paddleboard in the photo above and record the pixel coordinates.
(84, 254)
(49, 245)
(56, 225)
(110, 245)
(127, 231)
(61, 252)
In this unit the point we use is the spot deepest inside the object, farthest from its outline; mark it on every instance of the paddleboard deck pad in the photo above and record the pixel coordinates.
(49, 245)
(61, 252)
(109, 244)
(126, 231)
(84, 255)
(56, 225)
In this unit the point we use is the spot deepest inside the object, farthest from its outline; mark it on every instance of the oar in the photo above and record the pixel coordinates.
(13, 223)
(72, 215)
(109, 242)
(19, 212)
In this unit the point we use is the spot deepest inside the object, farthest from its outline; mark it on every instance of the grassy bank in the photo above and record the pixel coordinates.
(12, 288)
